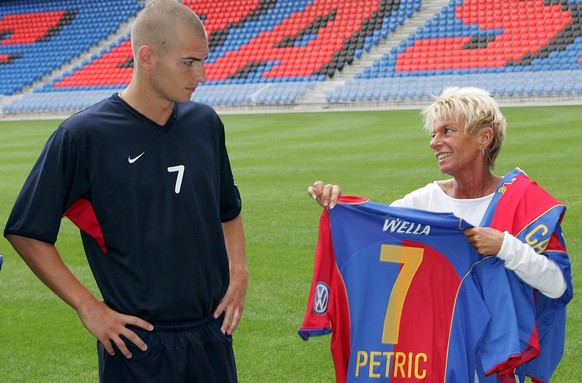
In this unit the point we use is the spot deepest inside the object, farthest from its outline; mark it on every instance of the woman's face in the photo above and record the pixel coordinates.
(455, 151)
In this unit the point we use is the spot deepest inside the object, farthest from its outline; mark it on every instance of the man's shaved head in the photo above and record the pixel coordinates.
(158, 24)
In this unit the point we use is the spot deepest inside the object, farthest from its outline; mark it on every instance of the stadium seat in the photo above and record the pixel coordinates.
(296, 45)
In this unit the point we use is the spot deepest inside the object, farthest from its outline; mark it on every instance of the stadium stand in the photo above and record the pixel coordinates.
(59, 56)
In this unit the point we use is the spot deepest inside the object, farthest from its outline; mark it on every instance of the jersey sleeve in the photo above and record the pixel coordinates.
(327, 310)
(317, 320)
(57, 180)
(230, 199)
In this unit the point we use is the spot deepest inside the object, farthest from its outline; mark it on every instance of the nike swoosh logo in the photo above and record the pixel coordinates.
(132, 160)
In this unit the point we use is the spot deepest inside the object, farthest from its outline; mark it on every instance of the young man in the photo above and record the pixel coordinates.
(145, 175)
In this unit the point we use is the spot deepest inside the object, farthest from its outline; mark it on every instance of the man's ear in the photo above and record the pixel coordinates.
(145, 56)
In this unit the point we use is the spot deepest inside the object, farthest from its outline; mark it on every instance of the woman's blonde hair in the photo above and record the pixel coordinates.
(476, 107)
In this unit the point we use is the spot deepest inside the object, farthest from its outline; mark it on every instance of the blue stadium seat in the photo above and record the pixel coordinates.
(555, 71)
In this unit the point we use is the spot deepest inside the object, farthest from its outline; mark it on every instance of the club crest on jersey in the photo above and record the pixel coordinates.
(397, 225)
(321, 298)
(503, 188)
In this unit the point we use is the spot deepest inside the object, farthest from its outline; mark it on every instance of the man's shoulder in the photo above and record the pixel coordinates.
(91, 116)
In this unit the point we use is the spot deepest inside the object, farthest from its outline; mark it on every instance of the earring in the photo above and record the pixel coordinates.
(482, 151)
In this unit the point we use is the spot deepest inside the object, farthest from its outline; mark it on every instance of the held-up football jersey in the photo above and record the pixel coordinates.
(407, 298)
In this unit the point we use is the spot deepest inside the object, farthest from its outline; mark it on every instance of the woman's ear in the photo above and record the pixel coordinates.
(487, 136)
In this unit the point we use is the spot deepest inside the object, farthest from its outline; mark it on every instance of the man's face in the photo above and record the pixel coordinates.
(179, 70)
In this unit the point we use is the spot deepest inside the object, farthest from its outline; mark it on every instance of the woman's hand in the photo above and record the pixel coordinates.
(486, 240)
(324, 194)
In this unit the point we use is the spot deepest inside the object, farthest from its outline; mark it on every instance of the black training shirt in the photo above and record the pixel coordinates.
(150, 200)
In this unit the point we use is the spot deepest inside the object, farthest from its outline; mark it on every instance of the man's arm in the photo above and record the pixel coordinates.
(232, 304)
(105, 324)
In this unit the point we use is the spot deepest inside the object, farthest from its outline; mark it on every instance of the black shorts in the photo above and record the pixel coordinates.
(188, 352)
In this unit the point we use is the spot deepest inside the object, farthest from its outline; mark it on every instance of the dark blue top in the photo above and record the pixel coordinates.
(159, 195)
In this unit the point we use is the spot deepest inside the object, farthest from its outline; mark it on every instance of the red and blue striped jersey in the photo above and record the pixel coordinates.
(407, 299)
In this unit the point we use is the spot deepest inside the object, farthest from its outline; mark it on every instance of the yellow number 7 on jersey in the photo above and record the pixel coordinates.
(410, 258)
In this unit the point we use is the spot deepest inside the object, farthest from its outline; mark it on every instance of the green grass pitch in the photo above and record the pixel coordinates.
(377, 154)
